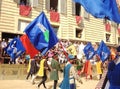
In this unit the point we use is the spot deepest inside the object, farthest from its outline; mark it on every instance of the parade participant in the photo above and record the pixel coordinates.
(42, 71)
(69, 75)
(99, 67)
(114, 71)
(28, 70)
(33, 68)
(55, 67)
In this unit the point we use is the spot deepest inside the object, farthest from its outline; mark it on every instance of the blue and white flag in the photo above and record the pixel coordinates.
(89, 51)
(15, 48)
(103, 51)
(41, 34)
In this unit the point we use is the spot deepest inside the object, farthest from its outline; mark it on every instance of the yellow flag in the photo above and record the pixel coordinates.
(72, 50)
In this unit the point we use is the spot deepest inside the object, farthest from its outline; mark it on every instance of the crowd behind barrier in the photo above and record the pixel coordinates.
(87, 68)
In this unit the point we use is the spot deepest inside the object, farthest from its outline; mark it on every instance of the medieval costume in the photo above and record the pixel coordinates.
(114, 72)
(69, 76)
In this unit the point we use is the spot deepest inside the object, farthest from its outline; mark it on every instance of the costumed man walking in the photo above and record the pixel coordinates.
(114, 71)
(55, 67)
(42, 71)
(70, 75)
(28, 70)
(33, 68)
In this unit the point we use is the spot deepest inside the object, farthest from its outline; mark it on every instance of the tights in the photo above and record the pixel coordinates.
(55, 84)
(44, 78)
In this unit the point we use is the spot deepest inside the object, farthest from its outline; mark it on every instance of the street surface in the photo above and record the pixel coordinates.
(26, 84)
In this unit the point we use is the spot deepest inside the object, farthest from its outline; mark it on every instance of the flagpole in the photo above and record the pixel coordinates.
(65, 53)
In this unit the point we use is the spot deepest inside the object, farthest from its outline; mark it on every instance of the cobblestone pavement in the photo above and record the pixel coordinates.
(26, 84)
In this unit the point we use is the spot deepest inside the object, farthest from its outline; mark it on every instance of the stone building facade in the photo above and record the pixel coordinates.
(69, 20)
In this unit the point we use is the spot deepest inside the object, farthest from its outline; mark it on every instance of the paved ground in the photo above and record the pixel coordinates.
(26, 84)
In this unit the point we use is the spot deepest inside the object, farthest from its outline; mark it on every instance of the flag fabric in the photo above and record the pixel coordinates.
(102, 9)
(103, 51)
(24, 10)
(54, 16)
(80, 52)
(30, 49)
(89, 51)
(72, 50)
(107, 27)
(78, 19)
(15, 48)
(41, 34)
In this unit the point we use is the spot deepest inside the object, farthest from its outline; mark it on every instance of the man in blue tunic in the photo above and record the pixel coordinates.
(114, 71)
(69, 75)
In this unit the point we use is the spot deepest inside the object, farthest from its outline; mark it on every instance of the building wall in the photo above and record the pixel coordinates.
(93, 30)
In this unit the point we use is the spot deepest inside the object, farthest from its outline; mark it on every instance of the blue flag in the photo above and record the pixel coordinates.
(41, 34)
(89, 51)
(102, 9)
(15, 48)
(103, 51)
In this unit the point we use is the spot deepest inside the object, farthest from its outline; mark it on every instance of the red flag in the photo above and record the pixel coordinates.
(54, 16)
(118, 31)
(30, 49)
(107, 27)
(24, 10)
(78, 19)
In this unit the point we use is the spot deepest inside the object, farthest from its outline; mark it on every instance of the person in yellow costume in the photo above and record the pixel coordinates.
(28, 70)
(99, 67)
(42, 71)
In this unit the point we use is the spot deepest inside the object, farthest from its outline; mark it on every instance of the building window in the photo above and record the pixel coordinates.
(108, 37)
(24, 2)
(76, 9)
(54, 5)
(55, 29)
(22, 24)
(79, 33)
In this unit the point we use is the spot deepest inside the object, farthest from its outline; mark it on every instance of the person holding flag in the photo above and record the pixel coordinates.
(89, 53)
(113, 73)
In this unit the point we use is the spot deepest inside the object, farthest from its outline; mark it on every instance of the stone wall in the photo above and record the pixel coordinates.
(19, 71)
(12, 71)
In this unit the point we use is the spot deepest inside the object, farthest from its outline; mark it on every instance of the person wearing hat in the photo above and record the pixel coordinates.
(69, 75)
(113, 73)
(55, 67)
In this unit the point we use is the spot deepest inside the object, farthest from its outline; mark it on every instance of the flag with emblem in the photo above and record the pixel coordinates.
(103, 51)
(15, 48)
(89, 51)
(41, 34)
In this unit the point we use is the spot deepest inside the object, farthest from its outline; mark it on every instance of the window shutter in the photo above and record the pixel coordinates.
(73, 8)
(63, 6)
(47, 5)
(34, 3)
